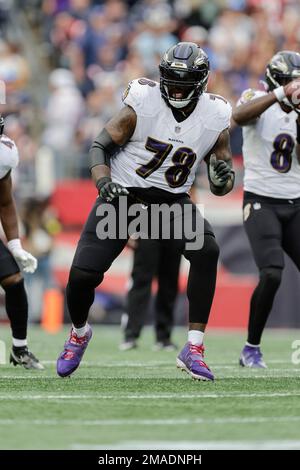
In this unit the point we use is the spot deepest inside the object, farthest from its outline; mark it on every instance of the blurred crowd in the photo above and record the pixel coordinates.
(91, 49)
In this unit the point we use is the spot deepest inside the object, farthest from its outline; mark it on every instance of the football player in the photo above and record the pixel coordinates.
(149, 152)
(11, 256)
(271, 137)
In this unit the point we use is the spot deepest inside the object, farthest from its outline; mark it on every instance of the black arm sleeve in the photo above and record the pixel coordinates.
(102, 149)
(298, 131)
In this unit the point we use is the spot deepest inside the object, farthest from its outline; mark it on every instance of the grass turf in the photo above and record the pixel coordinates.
(138, 399)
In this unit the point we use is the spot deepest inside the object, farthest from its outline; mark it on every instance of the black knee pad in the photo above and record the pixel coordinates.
(80, 278)
(271, 277)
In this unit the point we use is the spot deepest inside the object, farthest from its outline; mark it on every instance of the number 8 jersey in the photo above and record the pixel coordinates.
(162, 152)
(270, 160)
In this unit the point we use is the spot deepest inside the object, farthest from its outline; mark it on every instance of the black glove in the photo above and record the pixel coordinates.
(108, 190)
(219, 171)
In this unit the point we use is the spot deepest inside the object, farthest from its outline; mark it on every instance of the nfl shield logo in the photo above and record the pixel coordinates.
(177, 129)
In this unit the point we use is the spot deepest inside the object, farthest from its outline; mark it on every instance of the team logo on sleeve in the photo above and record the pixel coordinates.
(247, 95)
(126, 91)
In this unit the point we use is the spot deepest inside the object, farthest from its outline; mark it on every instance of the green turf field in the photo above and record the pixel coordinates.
(139, 400)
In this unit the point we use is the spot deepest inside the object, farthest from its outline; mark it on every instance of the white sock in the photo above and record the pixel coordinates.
(81, 331)
(19, 343)
(195, 337)
(252, 345)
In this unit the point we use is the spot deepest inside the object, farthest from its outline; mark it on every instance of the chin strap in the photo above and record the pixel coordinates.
(178, 104)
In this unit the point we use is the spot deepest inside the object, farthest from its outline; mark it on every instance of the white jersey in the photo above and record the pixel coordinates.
(162, 152)
(9, 156)
(270, 161)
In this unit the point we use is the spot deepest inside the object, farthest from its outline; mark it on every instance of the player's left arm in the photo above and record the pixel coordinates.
(219, 166)
(9, 219)
(115, 134)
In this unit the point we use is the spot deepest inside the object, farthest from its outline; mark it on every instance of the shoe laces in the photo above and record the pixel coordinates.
(199, 350)
(77, 339)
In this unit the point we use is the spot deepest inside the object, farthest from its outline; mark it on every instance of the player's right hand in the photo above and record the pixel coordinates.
(108, 190)
(27, 261)
(292, 92)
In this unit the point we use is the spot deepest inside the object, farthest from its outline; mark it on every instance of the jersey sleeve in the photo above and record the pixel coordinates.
(9, 156)
(249, 95)
(221, 115)
(139, 96)
(225, 115)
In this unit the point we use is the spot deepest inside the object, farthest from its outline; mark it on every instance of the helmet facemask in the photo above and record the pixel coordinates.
(181, 87)
(282, 70)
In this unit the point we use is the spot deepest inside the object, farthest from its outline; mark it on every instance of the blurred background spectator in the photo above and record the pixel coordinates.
(65, 64)
(40, 226)
(95, 47)
(92, 48)
(64, 109)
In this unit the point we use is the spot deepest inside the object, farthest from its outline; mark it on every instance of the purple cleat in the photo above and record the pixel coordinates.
(190, 359)
(71, 356)
(251, 356)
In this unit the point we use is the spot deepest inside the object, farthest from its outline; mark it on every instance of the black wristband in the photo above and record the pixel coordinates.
(102, 181)
(298, 131)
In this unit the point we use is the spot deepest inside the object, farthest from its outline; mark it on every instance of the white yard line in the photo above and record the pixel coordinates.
(150, 422)
(152, 396)
(193, 445)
